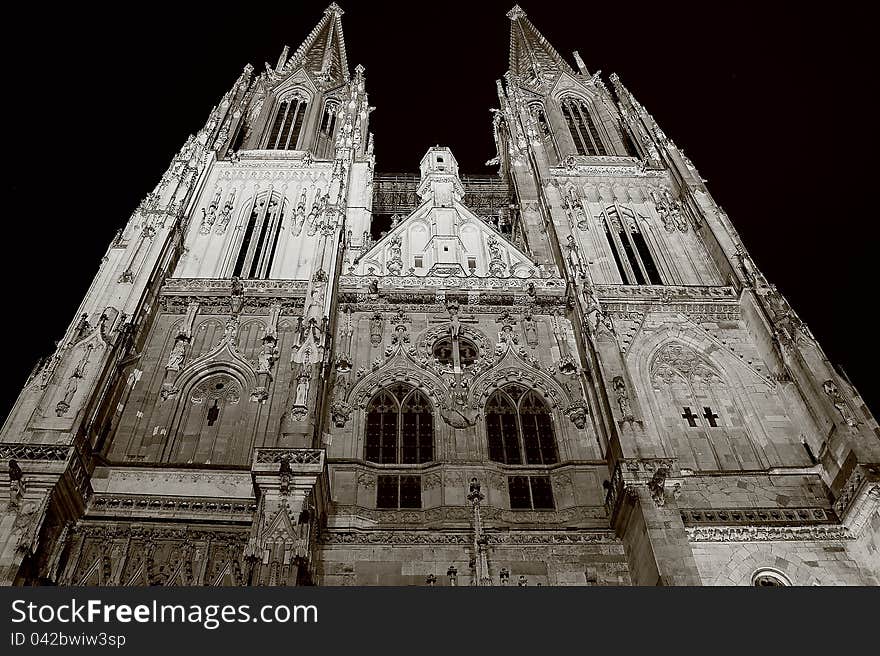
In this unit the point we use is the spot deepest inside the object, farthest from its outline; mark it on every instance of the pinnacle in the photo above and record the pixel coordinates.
(516, 13)
(333, 8)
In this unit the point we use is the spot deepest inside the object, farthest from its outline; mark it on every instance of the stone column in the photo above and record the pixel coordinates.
(290, 485)
(46, 489)
(642, 503)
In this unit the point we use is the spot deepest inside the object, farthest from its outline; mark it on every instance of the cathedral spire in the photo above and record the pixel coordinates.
(323, 52)
(531, 55)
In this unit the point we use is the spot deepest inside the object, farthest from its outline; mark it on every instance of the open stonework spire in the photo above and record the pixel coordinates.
(531, 55)
(323, 52)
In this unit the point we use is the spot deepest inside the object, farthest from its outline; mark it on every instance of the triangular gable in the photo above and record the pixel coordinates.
(469, 247)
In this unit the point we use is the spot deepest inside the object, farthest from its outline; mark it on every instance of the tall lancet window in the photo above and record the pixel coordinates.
(519, 428)
(400, 426)
(287, 124)
(584, 131)
(260, 237)
(328, 120)
(629, 248)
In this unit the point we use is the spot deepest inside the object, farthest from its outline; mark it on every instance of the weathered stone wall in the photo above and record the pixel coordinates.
(557, 559)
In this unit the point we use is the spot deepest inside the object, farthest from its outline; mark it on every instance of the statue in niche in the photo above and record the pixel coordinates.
(340, 409)
(622, 398)
(302, 389)
(178, 353)
(839, 402)
(267, 356)
(376, 326)
(530, 328)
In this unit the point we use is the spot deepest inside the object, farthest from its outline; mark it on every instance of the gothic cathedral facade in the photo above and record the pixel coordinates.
(292, 369)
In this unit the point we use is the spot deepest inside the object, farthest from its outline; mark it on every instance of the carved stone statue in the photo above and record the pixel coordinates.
(623, 402)
(16, 485)
(302, 389)
(530, 328)
(267, 356)
(377, 324)
(178, 353)
(839, 402)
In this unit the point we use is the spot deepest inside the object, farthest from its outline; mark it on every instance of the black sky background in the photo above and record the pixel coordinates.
(771, 103)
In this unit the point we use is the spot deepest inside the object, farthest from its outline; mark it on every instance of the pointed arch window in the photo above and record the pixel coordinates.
(519, 428)
(584, 132)
(630, 249)
(328, 120)
(260, 239)
(400, 427)
(540, 116)
(287, 124)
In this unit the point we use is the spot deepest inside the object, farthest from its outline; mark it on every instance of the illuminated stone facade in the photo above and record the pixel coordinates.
(293, 369)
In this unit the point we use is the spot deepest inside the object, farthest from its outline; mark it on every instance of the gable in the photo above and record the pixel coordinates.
(445, 241)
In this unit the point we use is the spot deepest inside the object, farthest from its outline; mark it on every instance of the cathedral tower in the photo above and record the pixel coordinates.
(566, 373)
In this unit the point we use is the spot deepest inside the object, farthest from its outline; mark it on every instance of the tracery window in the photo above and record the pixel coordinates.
(519, 428)
(260, 237)
(400, 426)
(629, 248)
(208, 422)
(287, 124)
(584, 132)
(444, 352)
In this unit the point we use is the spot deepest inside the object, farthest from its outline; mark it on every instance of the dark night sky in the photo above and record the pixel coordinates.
(766, 101)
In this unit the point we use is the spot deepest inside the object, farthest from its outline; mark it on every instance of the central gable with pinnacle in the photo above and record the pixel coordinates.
(442, 237)
(322, 54)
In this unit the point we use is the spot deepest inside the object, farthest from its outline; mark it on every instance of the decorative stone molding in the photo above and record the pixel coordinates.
(163, 507)
(515, 538)
(756, 516)
(276, 455)
(767, 533)
(462, 514)
(45, 452)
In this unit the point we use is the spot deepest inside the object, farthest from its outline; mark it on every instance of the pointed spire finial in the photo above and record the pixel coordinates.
(515, 13)
(334, 9)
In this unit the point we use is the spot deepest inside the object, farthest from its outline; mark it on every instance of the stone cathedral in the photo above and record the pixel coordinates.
(293, 369)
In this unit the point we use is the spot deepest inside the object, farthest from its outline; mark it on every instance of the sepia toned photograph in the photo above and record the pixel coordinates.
(435, 297)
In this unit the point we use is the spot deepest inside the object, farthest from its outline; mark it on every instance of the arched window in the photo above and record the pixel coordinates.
(287, 124)
(209, 423)
(400, 426)
(444, 352)
(630, 250)
(260, 237)
(584, 132)
(519, 428)
(537, 110)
